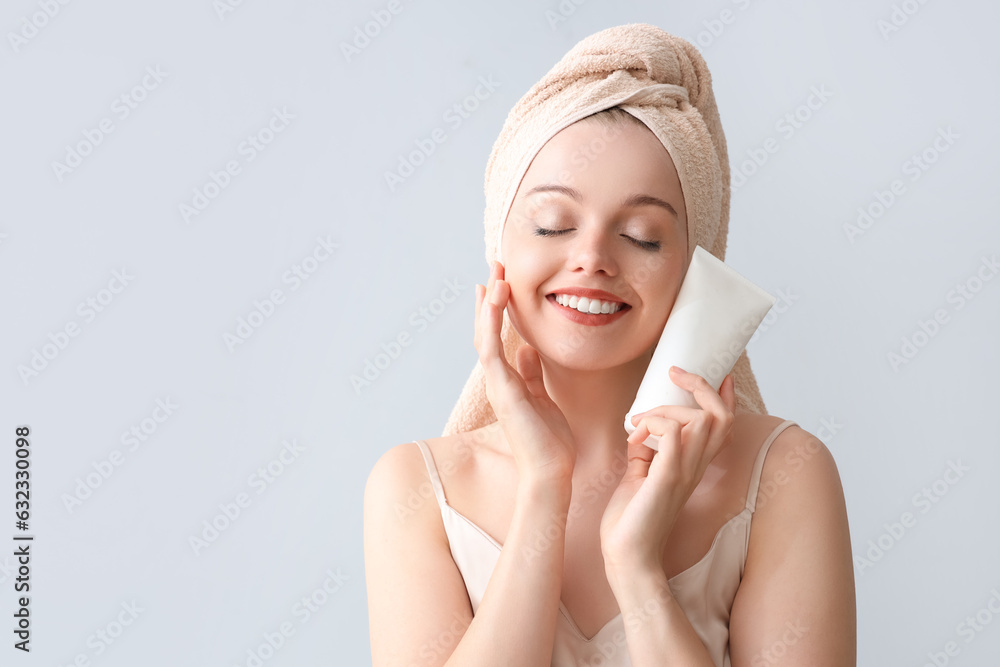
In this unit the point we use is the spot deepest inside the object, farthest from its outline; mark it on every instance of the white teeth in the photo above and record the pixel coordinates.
(585, 305)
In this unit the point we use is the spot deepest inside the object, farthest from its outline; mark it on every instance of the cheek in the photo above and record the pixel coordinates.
(527, 268)
(522, 296)
(658, 290)
(526, 300)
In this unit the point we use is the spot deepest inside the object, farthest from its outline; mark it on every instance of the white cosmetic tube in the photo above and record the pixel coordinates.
(715, 314)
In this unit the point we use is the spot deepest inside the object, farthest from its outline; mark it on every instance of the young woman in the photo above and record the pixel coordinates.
(547, 537)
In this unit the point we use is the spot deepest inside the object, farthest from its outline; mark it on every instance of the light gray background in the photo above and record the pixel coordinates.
(824, 357)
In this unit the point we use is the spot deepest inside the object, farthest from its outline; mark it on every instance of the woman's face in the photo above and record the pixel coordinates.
(586, 216)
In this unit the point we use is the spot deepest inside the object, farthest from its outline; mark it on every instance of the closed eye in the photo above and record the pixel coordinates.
(645, 245)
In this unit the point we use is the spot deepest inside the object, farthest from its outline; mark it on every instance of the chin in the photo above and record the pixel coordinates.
(574, 352)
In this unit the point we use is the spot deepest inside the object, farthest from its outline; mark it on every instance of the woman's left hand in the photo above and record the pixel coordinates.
(642, 511)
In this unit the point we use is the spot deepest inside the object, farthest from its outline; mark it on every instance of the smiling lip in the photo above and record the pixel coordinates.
(587, 292)
(588, 319)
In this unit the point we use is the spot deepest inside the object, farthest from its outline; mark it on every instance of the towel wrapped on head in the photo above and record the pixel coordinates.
(663, 81)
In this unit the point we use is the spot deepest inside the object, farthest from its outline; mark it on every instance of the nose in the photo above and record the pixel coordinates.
(591, 251)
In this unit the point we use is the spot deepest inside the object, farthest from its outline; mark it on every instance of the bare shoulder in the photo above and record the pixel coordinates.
(799, 489)
(801, 465)
(749, 432)
(797, 589)
(793, 450)
(393, 482)
(393, 472)
(415, 590)
(399, 483)
(399, 475)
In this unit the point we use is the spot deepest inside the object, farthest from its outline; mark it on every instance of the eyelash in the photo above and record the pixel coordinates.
(645, 245)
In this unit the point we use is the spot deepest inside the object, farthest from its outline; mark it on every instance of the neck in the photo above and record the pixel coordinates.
(595, 403)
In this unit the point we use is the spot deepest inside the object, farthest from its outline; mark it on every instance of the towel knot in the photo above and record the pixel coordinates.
(660, 95)
(640, 51)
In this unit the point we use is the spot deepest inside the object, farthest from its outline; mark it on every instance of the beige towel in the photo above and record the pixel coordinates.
(664, 82)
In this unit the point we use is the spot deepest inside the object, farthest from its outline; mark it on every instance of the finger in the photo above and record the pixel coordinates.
(694, 422)
(681, 413)
(491, 353)
(480, 291)
(486, 291)
(492, 277)
(668, 435)
(728, 392)
(501, 293)
(490, 346)
(639, 455)
(704, 394)
(725, 425)
(529, 365)
(661, 427)
(696, 384)
(496, 273)
(722, 410)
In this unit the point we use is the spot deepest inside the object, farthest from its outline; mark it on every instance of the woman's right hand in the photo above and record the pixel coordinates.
(537, 431)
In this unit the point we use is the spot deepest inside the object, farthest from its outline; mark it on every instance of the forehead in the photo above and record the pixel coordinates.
(590, 156)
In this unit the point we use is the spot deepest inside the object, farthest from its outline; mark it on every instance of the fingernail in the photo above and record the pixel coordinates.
(678, 369)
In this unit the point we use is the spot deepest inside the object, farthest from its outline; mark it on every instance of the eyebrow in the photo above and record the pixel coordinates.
(630, 201)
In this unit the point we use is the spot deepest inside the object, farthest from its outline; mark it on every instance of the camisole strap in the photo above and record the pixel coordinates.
(758, 465)
(432, 471)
